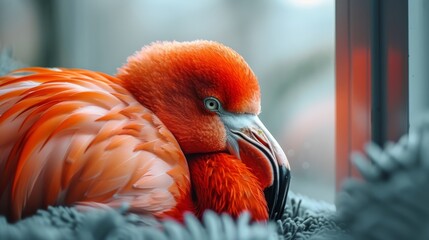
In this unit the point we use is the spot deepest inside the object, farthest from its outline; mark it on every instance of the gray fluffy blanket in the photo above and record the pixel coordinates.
(304, 218)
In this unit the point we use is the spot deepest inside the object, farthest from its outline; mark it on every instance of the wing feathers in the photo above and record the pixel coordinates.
(75, 136)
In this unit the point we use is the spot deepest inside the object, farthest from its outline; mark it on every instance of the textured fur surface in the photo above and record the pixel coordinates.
(304, 218)
(393, 201)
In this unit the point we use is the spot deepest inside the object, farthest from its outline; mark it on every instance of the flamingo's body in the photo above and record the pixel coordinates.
(78, 137)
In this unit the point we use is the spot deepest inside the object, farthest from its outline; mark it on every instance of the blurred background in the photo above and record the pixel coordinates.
(288, 43)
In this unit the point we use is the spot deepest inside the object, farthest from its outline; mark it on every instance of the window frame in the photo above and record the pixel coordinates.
(371, 77)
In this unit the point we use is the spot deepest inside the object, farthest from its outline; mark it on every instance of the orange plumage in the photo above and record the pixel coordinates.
(237, 189)
(78, 137)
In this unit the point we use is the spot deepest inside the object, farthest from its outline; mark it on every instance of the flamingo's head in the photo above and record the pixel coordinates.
(209, 98)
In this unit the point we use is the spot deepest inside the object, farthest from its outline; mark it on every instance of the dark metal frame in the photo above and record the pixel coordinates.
(371, 76)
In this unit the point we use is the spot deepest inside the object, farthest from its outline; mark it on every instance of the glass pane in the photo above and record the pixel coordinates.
(288, 43)
(418, 60)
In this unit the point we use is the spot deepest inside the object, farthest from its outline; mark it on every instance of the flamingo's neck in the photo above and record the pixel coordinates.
(223, 183)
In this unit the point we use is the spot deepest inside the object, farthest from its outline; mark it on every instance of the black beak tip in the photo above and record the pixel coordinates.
(276, 195)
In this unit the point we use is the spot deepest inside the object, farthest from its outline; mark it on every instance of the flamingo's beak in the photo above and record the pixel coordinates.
(250, 141)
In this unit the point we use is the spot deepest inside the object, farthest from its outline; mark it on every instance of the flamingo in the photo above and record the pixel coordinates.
(175, 130)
